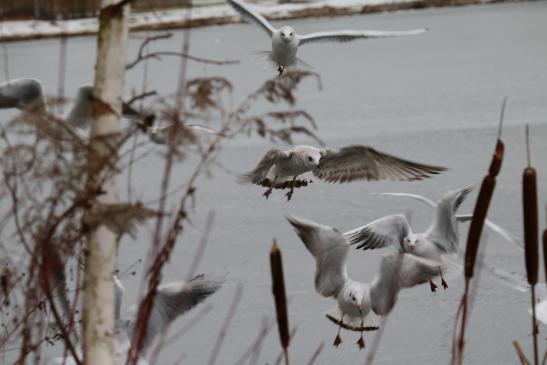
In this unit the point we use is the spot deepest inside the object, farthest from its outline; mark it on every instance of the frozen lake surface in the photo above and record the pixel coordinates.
(433, 98)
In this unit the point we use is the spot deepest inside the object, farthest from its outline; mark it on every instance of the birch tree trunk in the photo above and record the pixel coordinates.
(101, 252)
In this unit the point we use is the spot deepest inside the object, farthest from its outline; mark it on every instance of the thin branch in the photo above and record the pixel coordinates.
(202, 244)
(316, 353)
(225, 325)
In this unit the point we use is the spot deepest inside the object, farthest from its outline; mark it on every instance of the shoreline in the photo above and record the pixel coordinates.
(21, 30)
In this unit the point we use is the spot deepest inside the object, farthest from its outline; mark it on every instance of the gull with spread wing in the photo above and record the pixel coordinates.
(285, 41)
(359, 303)
(171, 301)
(517, 281)
(437, 243)
(279, 169)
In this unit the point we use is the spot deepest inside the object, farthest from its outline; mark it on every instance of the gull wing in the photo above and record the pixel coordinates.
(23, 93)
(174, 299)
(443, 230)
(81, 113)
(361, 162)
(398, 271)
(251, 15)
(330, 250)
(260, 173)
(343, 36)
(413, 196)
(388, 231)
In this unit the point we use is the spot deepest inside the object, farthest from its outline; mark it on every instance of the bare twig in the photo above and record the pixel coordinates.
(225, 325)
(316, 354)
(523, 359)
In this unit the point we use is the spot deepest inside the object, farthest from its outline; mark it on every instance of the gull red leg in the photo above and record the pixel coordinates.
(267, 193)
(444, 284)
(290, 192)
(361, 341)
(338, 339)
(433, 286)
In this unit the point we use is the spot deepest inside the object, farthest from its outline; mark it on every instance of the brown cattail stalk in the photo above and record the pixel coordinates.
(545, 252)
(530, 207)
(278, 288)
(475, 230)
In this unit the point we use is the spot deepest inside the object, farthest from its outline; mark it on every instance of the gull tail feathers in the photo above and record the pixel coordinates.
(371, 322)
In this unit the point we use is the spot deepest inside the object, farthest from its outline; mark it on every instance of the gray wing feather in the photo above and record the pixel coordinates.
(360, 162)
(174, 299)
(81, 113)
(330, 250)
(23, 93)
(253, 16)
(398, 271)
(413, 196)
(444, 229)
(388, 231)
(260, 173)
(352, 35)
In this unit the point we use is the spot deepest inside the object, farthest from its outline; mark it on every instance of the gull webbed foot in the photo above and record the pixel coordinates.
(361, 342)
(444, 284)
(289, 194)
(280, 70)
(337, 341)
(267, 193)
(433, 286)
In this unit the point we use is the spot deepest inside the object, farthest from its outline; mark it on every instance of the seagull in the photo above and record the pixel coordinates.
(517, 281)
(464, 218)
(280, 169)
(359, 303)
(26, 94)
(171, 301)
(285, 41)
(438, 242)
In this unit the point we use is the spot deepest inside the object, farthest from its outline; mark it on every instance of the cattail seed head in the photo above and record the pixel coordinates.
(530, 206)
(278, 288)
(477, 223)
(497, 159)
(545, 253)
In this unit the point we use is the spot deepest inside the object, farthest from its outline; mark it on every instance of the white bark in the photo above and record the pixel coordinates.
(101, 253)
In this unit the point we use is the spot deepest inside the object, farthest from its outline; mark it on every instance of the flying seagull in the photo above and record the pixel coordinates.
(26, 94)
(285, 41)
(171, 301)
(279, 169)
(436, 243)
(464, 218)
(359, 303)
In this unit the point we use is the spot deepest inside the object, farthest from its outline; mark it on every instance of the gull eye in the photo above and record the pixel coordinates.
(290, 33)
(310, 158)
